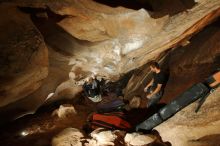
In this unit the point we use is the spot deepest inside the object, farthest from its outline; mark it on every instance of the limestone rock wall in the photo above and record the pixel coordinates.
(129, 39)
(24, 56)
(186, 65)
(30, 70)
(112, 41)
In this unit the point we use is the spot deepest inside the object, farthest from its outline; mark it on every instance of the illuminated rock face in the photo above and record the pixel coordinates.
(64, 111)
(136, 139)
(103, 137)
(186, 65)
(68, 137)
(84, 37)
(112, 41)
(51, 51)
(119, 39)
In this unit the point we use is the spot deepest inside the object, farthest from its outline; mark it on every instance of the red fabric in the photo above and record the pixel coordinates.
(108, 119)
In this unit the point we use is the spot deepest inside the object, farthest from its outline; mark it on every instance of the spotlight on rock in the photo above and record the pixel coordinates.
(24, 133)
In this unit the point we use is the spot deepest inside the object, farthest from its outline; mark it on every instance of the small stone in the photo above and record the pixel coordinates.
(102, 137)
(136, 139)
(64, 111)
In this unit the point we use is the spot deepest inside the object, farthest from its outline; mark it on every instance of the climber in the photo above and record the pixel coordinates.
(212, 82)
(155, 87)
(92, 89)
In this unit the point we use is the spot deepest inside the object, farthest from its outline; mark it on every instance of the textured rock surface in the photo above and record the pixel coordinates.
(136, 139)
(68, 90)
(68, 137)
(186, 65)
(102, 137)
(84, 37)
(24, 56)
(194, 129)
(64, 111)
(94, 38)
(134, 37)
(28, 72)
(40, 128)
(58, 73)
(112, 41)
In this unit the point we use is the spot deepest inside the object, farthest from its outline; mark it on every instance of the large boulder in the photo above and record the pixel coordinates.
(137, 139)
(68, 137)
(102, 137)
(64, 111)
(194, 129)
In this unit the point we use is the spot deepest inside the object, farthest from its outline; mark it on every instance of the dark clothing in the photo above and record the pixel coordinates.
(92, 89)
(138, 115)
(209, 81)
(155, 98)
(160, 78)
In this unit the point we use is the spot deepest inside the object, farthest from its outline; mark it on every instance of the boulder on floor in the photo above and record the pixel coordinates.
(68, 137)
(64, 111)
(137, 139)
